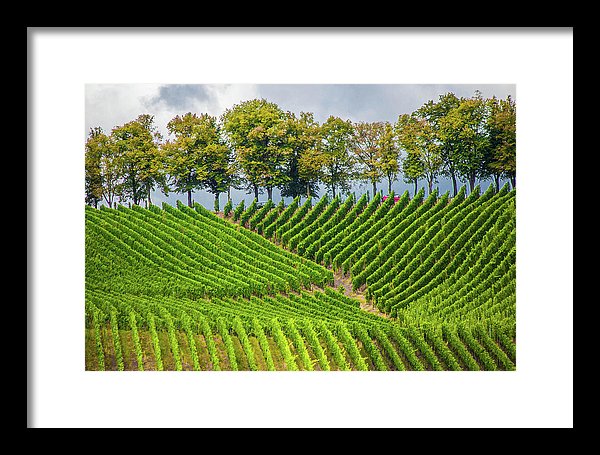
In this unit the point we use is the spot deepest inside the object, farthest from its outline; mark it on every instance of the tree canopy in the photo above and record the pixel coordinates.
(256, 131)
(367, 151)
(502, 129)
(255, 145)
(302, 136)
(338, 163)
(141, 161)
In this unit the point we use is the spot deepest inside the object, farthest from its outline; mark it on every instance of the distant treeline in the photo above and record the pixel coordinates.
(256, 146)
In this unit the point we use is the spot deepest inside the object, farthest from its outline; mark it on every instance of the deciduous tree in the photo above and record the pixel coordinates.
(216, 171)
(366, 151)
(187, 156)
(468, 122)
(254, 131)
(104, 169)
(390, 154)
(417, 137)
(446, 133)
(302, 137)
(338, 163)
(143, 165)
(93, 170)
(502, 129)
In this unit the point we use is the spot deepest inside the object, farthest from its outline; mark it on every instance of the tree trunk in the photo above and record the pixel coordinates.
(471, 183)
(136, 194)
(108, 198)
(255, 191)
(497, 181)
(513, 180)
(228, 193)
(429, 184)
(308, 190)
(374, 188)
(149, 198)
(389, 185)
(333, 191)
(270, 193)
(454, 184)
(416, 181)
(189, 193)
(216, 205)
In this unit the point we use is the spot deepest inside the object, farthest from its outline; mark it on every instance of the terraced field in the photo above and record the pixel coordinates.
(176, 288)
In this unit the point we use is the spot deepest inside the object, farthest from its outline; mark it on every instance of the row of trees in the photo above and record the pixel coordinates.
(256, 146)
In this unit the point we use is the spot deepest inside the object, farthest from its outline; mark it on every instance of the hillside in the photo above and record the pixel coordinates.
(177, 288)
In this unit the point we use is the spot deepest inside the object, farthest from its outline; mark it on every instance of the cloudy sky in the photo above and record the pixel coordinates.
(110, 105)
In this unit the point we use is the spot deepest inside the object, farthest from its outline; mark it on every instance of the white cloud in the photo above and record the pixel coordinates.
(110, 105)
(226, 96)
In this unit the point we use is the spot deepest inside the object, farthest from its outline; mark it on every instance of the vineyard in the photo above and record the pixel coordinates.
(258, 287)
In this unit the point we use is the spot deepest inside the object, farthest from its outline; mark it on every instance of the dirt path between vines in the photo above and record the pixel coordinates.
(346, 282)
